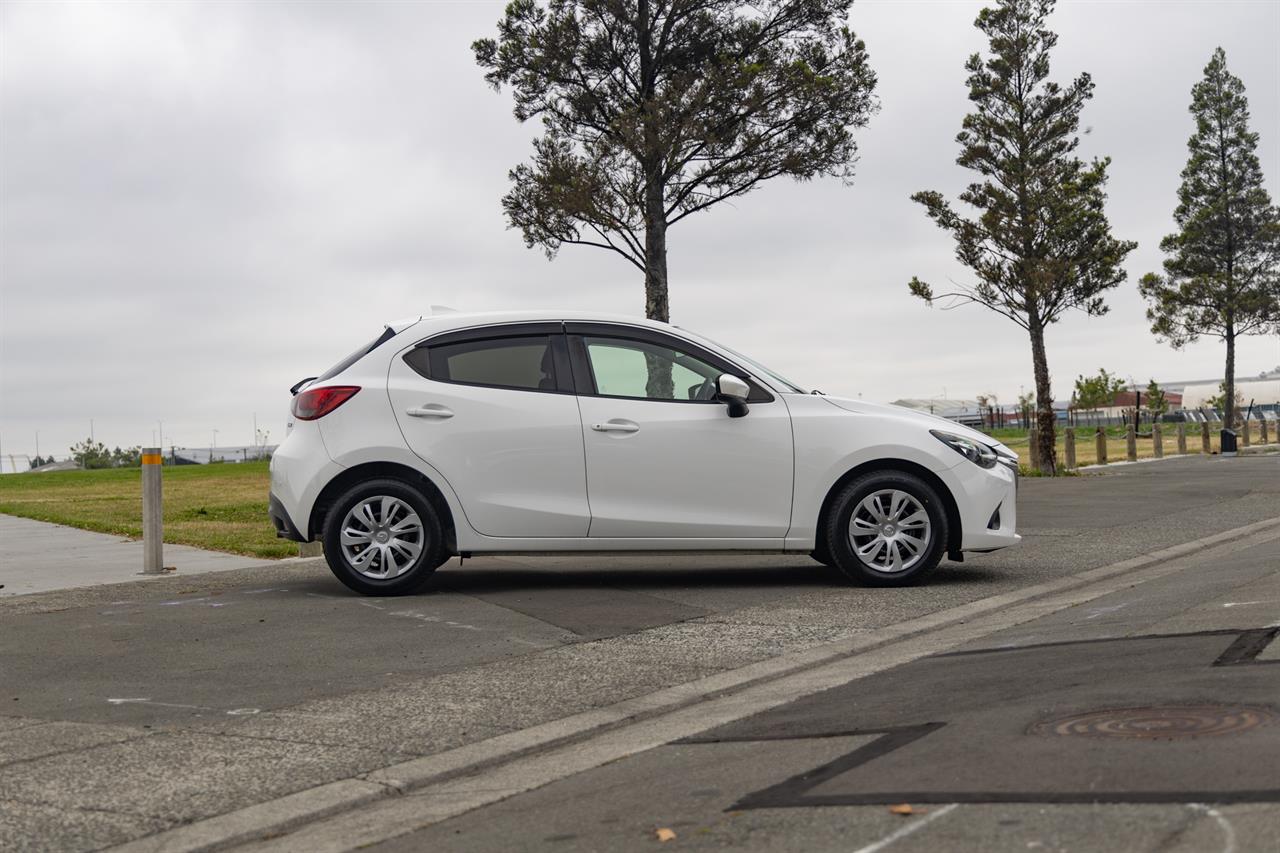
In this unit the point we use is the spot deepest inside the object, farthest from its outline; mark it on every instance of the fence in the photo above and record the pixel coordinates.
(1155, 443)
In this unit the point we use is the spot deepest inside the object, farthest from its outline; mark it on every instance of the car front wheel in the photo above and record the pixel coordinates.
(886, 528)
(383, 538)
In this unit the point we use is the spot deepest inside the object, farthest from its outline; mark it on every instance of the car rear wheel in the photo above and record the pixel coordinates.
(383, 538)
(886, 528)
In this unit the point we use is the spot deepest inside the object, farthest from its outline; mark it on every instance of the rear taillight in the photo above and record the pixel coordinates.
(317, 402)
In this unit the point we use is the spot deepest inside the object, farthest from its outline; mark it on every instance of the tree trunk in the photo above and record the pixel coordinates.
(656, 306)
(1229, 389)
(1045, 421)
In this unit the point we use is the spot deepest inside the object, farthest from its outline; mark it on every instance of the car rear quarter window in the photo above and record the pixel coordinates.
(523, 363)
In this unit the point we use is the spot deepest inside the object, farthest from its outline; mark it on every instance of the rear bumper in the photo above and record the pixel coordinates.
(285, 528)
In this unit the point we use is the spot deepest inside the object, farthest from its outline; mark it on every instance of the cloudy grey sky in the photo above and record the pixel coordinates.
(201, 203)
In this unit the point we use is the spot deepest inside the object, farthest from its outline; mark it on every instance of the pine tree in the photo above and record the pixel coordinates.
(1222, 270)
(1041, 243)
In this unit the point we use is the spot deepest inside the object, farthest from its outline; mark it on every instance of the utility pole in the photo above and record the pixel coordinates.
(213, 446)
(91, 437)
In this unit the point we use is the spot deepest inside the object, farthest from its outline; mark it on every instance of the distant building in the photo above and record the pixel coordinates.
(1263, 392)
(961, 411)
(202, 455)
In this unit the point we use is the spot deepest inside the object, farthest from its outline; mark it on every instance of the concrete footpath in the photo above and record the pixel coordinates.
(36, 556)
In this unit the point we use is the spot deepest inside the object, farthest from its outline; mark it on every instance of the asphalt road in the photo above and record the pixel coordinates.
(132, 709)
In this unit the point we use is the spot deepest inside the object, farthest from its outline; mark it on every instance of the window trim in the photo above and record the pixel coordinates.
(561, 365)
(584, 375)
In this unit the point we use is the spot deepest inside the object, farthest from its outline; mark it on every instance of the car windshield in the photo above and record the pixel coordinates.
(757, 367)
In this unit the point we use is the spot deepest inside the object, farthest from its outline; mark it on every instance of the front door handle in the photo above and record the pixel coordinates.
(431, 410)
(616, 426)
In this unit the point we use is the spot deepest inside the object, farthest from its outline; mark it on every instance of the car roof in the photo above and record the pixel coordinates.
(443, 321)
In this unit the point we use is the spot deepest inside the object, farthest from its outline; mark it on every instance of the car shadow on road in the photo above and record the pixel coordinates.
(452, 578)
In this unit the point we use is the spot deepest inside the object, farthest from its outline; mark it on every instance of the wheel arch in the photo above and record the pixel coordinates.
(371, 470)
(955, 533)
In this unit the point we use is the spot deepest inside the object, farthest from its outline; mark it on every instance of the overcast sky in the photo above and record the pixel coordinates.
(202, 203)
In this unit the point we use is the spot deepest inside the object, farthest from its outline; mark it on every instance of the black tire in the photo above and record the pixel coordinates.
(410, 578)
(932, 543)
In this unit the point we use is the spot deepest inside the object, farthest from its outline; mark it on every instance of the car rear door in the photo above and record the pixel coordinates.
(493, 410)
(664, 459)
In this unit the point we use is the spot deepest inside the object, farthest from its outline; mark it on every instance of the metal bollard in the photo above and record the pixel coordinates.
(1069, 447)
(1101, 443)
(1131, 443)
(1204, 438)
(1157, 441)
(152, 512)
(1182, 438)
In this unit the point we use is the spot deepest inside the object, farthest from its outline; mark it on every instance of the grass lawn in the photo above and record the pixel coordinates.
(222, 507)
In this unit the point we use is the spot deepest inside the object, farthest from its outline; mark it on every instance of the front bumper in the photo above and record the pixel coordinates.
(979, 494)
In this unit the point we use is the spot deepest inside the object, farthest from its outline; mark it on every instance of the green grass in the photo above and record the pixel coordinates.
(220, 507)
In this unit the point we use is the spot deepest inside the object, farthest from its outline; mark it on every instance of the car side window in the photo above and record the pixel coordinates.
(629, 368)
(525, 363)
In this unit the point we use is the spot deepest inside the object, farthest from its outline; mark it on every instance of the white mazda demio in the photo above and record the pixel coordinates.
(567, 432)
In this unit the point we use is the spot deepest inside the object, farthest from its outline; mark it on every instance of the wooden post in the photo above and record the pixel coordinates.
(1264, 439)
(1244, 433)
(152, 512)
(1157, 440)
(1206, 447)
(1034, 450)
(1182, 438)
(1101, 443)
(1131, 443)
(1069, 447)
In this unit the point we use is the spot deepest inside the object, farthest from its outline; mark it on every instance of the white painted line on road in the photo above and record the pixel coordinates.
(1228, 831)
(910, 828)
(438, 787)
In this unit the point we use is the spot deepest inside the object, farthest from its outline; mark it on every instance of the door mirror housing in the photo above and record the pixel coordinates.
(733, 392)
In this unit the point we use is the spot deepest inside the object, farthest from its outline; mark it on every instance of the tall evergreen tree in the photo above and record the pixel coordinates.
(1041, 243)
(1222, 270)
(654, 110)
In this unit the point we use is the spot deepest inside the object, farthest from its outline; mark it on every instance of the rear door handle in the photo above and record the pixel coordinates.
(616, 426)
(431, 410)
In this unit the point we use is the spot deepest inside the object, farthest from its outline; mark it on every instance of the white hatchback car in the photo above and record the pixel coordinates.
(461, 434)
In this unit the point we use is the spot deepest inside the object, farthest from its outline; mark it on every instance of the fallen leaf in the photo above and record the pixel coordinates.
(665, 834)
(902, 809)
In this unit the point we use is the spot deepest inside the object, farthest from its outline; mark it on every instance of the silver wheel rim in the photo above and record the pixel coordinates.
(382, 537)
(889, 531)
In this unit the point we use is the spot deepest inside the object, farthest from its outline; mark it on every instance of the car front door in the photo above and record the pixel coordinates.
(493, 410)
(664, 459)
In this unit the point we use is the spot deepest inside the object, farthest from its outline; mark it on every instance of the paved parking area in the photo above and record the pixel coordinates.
(1147, 732)
(132, 708)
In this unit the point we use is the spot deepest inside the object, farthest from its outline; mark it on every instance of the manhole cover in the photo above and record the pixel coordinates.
(1159, 723)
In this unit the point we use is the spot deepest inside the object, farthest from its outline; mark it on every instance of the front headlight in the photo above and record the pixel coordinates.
(975, 451)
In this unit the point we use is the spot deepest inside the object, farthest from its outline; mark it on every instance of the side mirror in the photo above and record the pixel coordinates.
(733, 392)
